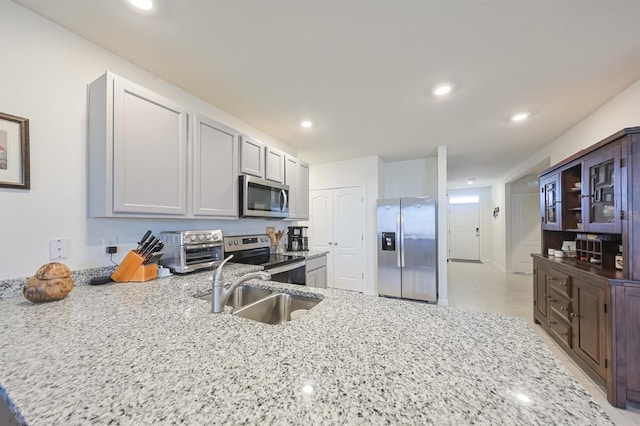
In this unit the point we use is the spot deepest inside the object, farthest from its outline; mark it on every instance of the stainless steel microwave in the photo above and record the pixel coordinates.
(263, 198)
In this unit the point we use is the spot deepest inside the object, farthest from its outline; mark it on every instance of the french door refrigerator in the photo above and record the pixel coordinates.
(407, 258)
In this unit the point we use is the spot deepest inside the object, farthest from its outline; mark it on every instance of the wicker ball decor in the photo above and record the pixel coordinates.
(51, 282)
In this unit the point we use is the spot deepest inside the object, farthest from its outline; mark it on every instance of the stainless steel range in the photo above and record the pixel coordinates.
(188, 251)
(255, 250)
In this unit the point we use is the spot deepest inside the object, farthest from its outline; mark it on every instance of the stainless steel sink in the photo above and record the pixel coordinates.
(277, 308)
(242, 295)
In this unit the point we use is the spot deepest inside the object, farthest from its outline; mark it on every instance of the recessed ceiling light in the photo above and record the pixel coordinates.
(142, 4)
(470, 181)
(306, 124)
(442, 89)
(520, 116)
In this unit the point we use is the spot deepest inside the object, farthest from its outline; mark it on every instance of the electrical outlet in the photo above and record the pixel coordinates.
(59, 248)
(108, 245)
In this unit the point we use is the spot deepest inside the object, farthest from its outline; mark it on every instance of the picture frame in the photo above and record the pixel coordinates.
(14, 152)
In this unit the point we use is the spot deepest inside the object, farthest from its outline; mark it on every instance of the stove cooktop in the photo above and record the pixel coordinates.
(266, 259)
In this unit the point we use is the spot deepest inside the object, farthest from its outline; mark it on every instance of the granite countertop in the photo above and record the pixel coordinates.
(310, 254)
(152, 353)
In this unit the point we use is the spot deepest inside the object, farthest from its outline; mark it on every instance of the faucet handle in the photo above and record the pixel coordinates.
(217, 279)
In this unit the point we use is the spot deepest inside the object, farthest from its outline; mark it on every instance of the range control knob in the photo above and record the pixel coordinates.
(235, 243)
(230, 243)
(215, 237)
(193, 238)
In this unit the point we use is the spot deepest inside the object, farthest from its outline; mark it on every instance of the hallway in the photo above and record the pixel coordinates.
(483, 287)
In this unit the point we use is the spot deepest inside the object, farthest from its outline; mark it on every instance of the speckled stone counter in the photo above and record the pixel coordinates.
(151, 353)
(307, 254)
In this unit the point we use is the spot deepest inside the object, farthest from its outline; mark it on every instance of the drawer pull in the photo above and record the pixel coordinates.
(574, 315)
(562, 283)
(552, 322)
(562, 308)
(564, 334)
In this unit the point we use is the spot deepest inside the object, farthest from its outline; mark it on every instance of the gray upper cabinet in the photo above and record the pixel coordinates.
(297, 177)
(274, 165)
(214, 172)
(291, 179)
(251, 157)
(303, 190)
(137, 151)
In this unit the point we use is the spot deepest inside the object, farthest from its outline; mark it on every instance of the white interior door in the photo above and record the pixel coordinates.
(525, 231)
(464, 231)
(320, 230)
(347, 239)
(335, 226)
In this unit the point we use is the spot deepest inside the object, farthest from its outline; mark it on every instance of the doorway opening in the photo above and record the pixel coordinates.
(464, 228)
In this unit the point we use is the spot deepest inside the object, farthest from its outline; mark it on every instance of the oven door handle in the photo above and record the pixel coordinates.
(285, 268)
(200, 246)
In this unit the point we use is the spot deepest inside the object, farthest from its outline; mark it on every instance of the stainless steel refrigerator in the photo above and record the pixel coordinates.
(407, 257)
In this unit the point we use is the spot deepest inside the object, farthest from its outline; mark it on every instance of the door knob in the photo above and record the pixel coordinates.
(335, 244)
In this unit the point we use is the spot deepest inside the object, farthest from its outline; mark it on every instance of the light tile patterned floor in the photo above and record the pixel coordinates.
(483, 287)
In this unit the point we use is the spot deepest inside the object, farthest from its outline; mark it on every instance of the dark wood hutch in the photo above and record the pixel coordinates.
(589, 300)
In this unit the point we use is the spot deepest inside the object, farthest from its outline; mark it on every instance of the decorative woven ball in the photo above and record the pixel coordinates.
(51, 282)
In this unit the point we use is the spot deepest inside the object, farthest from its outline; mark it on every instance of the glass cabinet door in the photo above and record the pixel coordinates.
(601, 202)
(550, 202)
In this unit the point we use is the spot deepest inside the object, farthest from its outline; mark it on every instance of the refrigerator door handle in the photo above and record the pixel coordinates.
(402, 239)
(398, 242)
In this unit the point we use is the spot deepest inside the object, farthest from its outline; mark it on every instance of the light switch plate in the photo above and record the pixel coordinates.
(59, 248)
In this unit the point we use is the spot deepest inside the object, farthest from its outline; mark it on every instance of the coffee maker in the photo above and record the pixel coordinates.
(297, 238)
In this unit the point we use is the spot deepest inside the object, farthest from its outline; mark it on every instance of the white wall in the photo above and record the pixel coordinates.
(44, 70)
(620, 112)
(364, 172)
(411, 178)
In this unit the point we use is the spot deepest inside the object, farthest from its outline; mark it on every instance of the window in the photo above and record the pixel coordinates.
(464, 199)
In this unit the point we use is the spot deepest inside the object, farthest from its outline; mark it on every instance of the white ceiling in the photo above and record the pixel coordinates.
(363, 69)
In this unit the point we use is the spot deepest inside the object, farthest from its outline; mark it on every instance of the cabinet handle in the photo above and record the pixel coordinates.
(586, 196)
(574, 315)
(564, 334)
(562, 308)
(552, 322)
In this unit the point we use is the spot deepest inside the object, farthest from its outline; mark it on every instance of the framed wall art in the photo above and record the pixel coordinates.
(14, 152)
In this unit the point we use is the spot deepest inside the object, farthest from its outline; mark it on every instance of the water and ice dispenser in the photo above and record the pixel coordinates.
(388, 241)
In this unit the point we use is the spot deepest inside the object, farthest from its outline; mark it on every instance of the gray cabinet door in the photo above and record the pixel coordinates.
(274, 165)
(291, 179)
(214, 168)
(303, 190)
(311, 279)
(149, 152)
(296, 175)
(321, 277)
(251, 157)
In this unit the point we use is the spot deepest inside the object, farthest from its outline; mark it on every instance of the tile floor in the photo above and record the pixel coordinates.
(483, 287)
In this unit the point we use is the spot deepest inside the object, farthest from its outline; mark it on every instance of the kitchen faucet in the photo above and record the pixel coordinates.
(220, 295)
